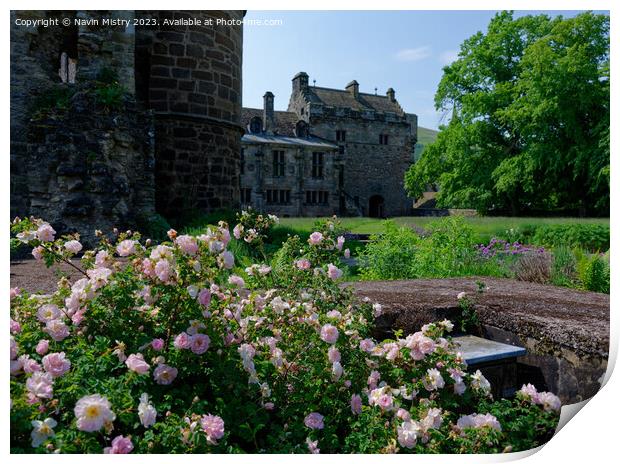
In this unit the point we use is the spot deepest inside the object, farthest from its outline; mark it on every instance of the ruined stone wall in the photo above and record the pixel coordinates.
(190, 76)
(90, 167)
(259, 177)
(75, 161)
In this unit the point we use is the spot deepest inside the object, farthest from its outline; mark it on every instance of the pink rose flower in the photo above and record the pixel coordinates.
(333, 354)
(204, 297)
(302, 264)
(347, 253)
(164, 374)
(40, 385)
(226, 260)
(367, 345)
(340, 243)
(213, 427)
(403, 414)
(57, 330)
(162, 270)
(56, 364)
(14, 292)
(126, 248)
(181, 341)
(314, 421)
(329, 333)
(157, 344)
(187, 244)
(236, 280)
(315, 238)
(15, 327)
(136, 363)
(120, 445)
(238, 231)
(199, 343)
(73, 246)
(333, 272)
(42, 347)
(46, 233)
(37, 252)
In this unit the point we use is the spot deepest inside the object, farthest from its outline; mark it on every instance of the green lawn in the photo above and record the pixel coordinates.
(485, 227)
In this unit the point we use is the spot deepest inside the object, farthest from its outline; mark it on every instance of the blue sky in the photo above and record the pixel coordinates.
(405, 50)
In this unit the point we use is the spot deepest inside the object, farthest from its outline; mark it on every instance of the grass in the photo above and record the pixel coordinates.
(484, 227)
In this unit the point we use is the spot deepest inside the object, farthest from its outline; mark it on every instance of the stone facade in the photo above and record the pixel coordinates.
(170, 144)
(285, 170)
(373, 138)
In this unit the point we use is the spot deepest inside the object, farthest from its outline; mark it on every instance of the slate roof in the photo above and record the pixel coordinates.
(344, 99)
(284, 132)
(285, 120)
(308, 142)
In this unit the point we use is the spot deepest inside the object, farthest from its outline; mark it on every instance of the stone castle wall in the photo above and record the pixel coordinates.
(172, 144)
(370, 168)
(191, 78)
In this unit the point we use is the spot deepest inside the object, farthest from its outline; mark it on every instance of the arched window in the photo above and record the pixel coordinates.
(301, 129)
(256, 125)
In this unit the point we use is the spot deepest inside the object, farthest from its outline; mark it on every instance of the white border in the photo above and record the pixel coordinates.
(591, 436)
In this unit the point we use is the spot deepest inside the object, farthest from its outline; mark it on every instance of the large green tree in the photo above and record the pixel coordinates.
(529, 127)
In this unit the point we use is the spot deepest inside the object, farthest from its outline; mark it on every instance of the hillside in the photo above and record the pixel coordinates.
(425, 136)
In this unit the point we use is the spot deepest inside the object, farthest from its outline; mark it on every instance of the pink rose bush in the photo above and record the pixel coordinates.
(165, 348)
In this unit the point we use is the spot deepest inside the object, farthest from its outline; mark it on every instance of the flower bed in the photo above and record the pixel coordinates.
(173, 349)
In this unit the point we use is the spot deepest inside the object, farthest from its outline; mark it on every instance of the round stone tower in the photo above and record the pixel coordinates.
(189, 75)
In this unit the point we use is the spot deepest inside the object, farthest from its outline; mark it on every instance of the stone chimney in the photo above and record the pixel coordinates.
(391, 94)
(353, 88)
(268, 117)
(300, 82)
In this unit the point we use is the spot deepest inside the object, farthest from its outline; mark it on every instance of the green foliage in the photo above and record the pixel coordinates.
(110, 96)
(564, 267)
(54, 99)
(594, 273)
(448, 250)
(592, 237)
(154, 225)
(530, 118)
(389, 255)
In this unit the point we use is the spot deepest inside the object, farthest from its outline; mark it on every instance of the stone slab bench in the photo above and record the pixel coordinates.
(497, 362)
(564, 331)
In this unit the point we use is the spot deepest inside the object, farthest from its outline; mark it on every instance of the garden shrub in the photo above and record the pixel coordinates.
(592, 237)
(390, 255)
(167, 349)
(533, 267)
(564, 267)
(594, 273)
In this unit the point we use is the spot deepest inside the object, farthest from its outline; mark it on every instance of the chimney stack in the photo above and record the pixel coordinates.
(391, 94)
(300, 82)
(268, 117)
(354, 88)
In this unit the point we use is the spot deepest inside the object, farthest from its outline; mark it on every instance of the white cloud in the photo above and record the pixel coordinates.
(448, 56)
(413, 54)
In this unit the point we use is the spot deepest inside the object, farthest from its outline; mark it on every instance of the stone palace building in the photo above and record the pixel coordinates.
(334, 151)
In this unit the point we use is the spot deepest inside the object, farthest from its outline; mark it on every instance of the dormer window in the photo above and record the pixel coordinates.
(301, 129)
(256, 125)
